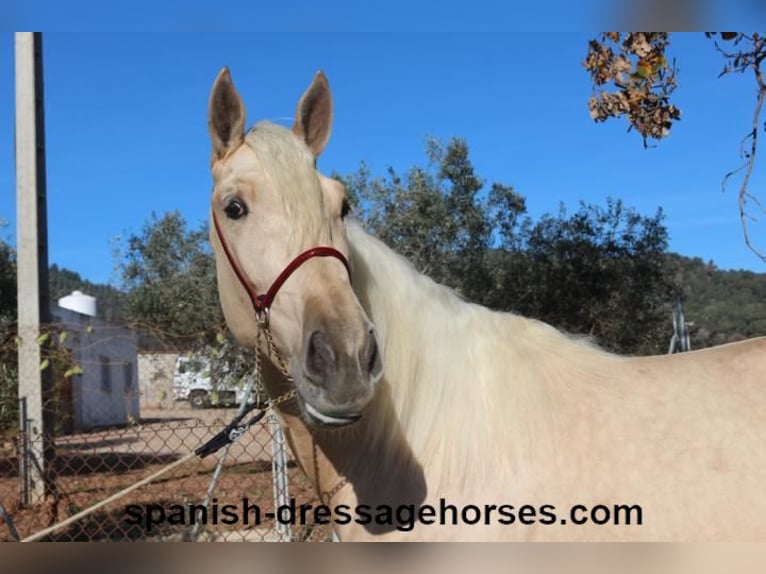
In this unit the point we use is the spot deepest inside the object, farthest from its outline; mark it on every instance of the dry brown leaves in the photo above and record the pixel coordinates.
(634, 80)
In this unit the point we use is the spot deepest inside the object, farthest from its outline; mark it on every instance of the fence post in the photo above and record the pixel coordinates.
(680, 342)
(24, 476)
(279, 475)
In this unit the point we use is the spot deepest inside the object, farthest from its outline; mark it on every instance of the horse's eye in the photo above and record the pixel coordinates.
(235, 209)
(345, 208)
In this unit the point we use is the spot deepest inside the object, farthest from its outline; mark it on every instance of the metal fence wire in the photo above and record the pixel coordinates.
(257, 476)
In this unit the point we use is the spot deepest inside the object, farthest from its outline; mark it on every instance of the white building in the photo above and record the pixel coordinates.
(107, 392)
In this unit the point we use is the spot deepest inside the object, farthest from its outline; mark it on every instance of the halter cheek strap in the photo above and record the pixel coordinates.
(262, 303)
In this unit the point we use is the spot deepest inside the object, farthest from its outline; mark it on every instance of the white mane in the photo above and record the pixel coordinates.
(452, 366)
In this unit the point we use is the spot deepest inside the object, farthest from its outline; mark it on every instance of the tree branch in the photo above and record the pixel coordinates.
(742, 61)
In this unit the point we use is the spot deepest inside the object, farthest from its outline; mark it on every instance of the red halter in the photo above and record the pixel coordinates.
(262, 303)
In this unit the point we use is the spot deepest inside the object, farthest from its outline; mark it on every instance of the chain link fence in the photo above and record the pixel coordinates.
(88, 467)
(88, 463)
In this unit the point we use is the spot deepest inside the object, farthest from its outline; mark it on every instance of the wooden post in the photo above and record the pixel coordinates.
(32, 259)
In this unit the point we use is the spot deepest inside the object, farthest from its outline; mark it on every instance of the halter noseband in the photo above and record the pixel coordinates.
(262, 303)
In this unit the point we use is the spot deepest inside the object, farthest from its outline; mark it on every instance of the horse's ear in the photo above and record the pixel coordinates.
(226, 116)
(313, 117)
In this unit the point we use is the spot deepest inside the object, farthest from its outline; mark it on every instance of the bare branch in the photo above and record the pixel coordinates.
(635, 80)
(740, 62)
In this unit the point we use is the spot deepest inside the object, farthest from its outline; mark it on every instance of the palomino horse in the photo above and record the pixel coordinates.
(420, 416)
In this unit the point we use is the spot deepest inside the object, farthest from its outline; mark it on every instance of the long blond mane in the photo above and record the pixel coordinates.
(455, 369)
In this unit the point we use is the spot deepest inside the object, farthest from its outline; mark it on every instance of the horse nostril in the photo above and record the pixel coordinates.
(320, 358)
(373, 362)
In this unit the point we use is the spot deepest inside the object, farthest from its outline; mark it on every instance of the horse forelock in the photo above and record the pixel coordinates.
(288, 165)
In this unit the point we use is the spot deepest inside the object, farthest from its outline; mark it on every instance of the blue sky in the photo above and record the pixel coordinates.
(127, 134)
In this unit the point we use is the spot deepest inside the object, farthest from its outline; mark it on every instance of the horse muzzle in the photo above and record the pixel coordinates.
(336, 386)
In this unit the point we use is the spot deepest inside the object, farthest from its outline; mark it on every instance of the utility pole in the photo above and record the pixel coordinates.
(32, 263)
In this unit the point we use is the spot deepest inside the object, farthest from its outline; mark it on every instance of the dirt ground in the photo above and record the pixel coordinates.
(91, 466)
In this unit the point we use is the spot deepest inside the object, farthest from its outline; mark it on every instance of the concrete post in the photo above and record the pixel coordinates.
(32, 257)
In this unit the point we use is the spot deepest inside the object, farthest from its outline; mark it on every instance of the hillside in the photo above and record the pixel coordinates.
(724, 306)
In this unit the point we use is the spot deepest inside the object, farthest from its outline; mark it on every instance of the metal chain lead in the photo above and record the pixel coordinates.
(265, 333)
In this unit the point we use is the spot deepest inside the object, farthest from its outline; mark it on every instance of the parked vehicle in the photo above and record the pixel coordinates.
(193, 381)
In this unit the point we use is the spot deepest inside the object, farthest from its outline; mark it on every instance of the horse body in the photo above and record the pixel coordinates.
(486, 408)
(501, 418)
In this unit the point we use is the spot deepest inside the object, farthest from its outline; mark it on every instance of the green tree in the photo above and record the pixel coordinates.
(168, 273)
(598, 272)
(7, 283)
(8, 355)
(439, 216)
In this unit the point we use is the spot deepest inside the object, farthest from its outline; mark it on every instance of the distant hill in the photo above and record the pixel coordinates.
(725, 306)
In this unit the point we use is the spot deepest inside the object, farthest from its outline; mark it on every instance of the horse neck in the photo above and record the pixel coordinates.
(458, 374)
(410, 312)
(439, 352)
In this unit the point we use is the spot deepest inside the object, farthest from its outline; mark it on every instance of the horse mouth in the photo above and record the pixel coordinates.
(320, 418)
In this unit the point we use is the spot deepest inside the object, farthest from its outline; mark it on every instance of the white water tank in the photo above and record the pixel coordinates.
(79, 302)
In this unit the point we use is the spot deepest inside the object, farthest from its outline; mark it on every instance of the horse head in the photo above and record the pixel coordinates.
(282, 252)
